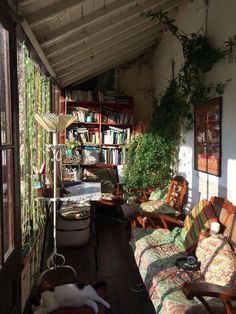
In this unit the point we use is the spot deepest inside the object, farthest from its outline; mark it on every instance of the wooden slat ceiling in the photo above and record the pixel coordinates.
(79, 39)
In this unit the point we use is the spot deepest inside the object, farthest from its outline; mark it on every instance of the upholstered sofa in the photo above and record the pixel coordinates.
(175, 290)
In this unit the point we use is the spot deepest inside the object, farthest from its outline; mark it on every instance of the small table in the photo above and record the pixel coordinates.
(84, 191)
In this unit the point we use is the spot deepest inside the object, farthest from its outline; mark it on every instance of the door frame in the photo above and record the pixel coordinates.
(10, 273)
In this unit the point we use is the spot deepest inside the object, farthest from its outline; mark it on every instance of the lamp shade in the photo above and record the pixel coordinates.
(53, 122)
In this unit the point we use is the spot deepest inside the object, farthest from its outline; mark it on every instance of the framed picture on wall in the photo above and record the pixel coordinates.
(207, 136)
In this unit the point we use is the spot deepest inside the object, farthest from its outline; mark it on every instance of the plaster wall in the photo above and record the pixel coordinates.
(221, 24)
(136, 80)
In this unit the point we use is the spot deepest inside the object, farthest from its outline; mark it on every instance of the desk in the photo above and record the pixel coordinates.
(83, 192)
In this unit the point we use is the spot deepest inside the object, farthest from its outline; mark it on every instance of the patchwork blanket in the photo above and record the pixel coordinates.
(155, 253)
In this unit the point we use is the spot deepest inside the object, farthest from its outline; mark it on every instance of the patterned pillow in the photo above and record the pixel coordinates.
(158, 207)
(158, 194)
(230, 231)
(197, 221)
(150, 206)
(218, 263)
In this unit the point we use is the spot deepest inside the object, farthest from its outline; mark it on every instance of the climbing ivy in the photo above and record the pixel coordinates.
(175, 106)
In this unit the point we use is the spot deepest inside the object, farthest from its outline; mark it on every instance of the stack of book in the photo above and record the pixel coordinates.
(116, 136)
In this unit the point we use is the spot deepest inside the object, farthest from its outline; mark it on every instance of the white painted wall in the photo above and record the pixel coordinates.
(136, 80)
(221, 24)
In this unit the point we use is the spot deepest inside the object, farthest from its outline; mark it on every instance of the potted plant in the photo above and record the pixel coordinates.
(73, 146)
(150, 161)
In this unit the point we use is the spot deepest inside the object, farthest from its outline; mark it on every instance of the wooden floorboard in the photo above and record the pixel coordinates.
(115, 265)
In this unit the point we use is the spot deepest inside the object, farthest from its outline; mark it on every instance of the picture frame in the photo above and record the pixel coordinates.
(207, 136)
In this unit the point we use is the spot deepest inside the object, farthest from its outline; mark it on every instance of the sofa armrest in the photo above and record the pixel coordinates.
(201, 289)
(154, 220)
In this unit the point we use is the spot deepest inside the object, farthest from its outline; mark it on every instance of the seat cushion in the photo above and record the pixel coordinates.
(158, 207)
(218, 261)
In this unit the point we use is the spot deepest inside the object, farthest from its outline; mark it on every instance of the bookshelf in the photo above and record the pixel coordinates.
(103, 125)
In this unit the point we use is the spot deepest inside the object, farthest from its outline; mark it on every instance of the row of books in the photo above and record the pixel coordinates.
(117, 117)
(79, 95)
(115, 96)
(116, 136)
(111, 155)
(84, 135)
(83, 114)
(105, 96)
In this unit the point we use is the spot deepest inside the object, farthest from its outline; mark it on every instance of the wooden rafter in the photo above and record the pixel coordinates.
(50, 12)
(85, 50)
(91, 19)
(107, 64)
(108, 25)
(23, 3)
(37, 48)
(115, 50)
(95, 39)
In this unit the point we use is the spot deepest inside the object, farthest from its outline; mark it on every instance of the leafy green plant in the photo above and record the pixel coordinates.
(73, 144)
(150, 161)
(199, 57)
(175, 106)
(152, 157)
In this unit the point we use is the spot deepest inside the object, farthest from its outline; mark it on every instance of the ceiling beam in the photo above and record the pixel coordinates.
(82, 42)
(103, 42)
(99, 47)
(45, 14)
(90, 19)
(110, 25)
(108, 63)
(83, 77)
(115, 50)
(23, 3)
(37, 48)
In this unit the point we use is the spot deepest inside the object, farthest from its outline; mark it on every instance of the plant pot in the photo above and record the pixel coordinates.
(70, 152)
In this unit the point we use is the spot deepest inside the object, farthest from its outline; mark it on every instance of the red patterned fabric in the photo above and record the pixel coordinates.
(230, 231)
(100, 288)
(197, 221)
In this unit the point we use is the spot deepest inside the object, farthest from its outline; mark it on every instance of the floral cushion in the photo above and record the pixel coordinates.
(155, 254)
(230, 231)
(218, 262)
(158, 207)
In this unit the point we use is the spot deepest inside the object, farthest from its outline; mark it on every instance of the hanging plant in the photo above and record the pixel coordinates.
(199, 57)
(198, 52)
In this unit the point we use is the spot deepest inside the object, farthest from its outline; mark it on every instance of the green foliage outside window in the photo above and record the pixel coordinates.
(34, 96)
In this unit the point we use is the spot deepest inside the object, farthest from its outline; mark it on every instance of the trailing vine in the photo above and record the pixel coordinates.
(152, 157)
(190, 86)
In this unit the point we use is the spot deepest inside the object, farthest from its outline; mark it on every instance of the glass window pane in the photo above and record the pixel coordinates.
(5, 96)
(7, 192)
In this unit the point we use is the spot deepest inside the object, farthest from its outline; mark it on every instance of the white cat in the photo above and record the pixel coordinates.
(69, 295)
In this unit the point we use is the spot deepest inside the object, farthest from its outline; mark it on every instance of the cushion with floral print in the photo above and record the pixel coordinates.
(218, 261)
(158, 207)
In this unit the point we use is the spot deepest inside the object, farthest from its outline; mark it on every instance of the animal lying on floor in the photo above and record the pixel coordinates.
(69, 295)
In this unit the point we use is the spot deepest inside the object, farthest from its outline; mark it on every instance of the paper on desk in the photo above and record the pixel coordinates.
(53, 122)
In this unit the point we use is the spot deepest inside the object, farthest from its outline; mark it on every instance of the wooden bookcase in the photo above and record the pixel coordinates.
(103, 127)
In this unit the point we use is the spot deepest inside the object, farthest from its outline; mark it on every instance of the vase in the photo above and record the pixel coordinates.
(70, 152)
